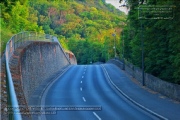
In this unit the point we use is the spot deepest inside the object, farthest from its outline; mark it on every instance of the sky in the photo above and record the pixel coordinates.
(116, 4)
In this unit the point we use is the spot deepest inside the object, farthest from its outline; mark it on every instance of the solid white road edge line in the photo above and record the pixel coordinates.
(97, 116)
(46, 89)
(127, 97)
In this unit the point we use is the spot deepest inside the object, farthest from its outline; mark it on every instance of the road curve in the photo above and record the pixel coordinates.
(85, 86)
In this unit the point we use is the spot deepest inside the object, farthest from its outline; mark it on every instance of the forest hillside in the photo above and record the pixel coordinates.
(82, 26)
(91, 29)
(159, 34)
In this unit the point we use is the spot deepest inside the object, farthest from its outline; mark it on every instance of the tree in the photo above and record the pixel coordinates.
(160, 41)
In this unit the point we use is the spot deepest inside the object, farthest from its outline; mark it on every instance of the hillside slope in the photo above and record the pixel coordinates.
(84, 27)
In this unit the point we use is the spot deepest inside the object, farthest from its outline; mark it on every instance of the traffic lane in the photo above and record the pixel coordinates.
(65, 92)
(98, 91)
(154, 102)
(95, 92)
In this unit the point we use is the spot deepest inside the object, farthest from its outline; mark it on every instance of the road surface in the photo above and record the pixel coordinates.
(86, 87)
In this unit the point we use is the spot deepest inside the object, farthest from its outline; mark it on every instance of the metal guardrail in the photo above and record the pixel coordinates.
(15, 42)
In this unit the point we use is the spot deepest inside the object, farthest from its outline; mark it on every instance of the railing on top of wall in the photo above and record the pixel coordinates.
(15, 42)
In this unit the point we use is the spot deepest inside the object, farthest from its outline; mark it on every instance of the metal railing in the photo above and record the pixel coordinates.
(15, 42)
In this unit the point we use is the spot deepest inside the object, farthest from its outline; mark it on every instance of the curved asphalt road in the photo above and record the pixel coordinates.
(83, 86)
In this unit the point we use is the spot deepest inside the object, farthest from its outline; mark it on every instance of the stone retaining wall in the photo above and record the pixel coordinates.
(39, 61)
(170, 90)
(33, 63)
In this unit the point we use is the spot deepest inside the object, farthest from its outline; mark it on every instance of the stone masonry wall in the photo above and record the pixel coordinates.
(170, 90)
(116, 62)
(32, 63)
(39, 61)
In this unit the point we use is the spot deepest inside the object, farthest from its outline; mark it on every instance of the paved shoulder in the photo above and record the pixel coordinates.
(162, 106)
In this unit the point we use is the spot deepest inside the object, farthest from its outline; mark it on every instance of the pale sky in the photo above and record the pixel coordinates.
(116, 4)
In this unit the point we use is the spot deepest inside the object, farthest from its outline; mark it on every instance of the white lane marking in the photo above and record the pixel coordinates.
(84, 73)
(82, 76)
(46, 89)
(97, 116)
(81, 89)
(81, 81)
(130, 99)
(84, 99)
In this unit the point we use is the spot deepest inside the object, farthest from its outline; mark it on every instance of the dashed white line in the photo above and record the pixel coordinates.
(81, 81)
(84, 73)
(97, 116)
(84, 99)
(82, 76)
(81, 89)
